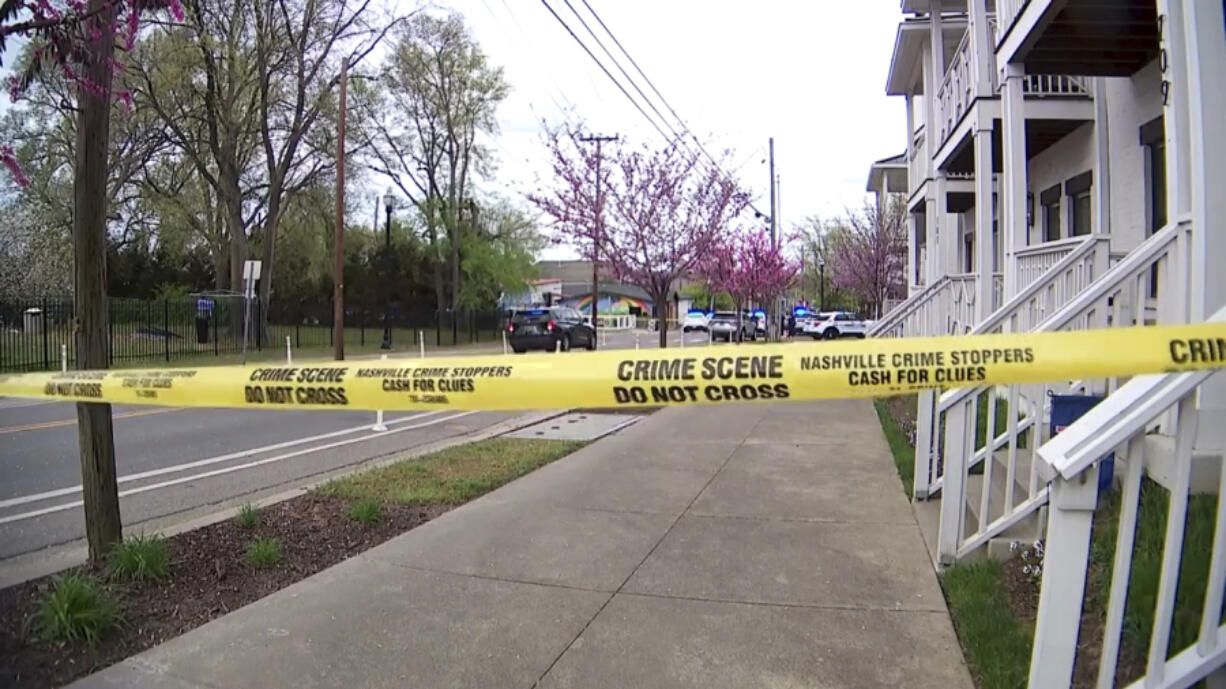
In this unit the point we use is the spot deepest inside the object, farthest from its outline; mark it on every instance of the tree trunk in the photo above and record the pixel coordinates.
(95, 434)
(662, 319)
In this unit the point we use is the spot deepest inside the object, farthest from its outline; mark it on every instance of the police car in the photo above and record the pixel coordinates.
(831, 325)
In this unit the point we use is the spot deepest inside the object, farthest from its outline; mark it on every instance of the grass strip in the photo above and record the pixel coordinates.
(996, 644)
(451, 476)
(900, 447)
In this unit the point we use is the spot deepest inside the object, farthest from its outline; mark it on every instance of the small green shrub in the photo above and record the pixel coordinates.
(76, 609)
(367, 511)
(248, 517)
(140, 558)
(263, 552)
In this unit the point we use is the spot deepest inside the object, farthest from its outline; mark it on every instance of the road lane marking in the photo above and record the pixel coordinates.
(237, 467)
(59, 492)
(61, 423)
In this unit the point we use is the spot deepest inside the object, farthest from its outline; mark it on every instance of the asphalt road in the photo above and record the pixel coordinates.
(174, 460)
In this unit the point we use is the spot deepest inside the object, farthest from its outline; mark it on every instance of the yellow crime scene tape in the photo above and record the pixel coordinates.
(711, 375)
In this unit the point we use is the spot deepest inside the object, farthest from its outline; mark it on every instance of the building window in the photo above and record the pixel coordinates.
(1050, 201)
(1153, 138)
(1078, 191)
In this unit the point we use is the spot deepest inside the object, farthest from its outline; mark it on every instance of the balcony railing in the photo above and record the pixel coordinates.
(1047, 85)
(1006, 12)
(956, 92)
(917, 166)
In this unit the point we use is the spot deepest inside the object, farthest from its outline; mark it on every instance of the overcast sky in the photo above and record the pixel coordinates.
(811, 73)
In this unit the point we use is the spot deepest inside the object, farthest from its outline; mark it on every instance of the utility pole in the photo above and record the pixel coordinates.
(338, 248)
(599, 226)
(772, 317)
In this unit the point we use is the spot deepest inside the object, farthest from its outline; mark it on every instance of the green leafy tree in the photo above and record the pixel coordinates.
(438, 98)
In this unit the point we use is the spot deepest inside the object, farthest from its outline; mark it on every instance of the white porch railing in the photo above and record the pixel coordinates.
(1044, 85)
(1006, 12)
(956, 92)
(917, 166)
(1034, 261)
(1078, 292)
(1070, 461)
(919, 315)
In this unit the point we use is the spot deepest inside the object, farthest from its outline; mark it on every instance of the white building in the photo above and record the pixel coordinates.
(1065, 169)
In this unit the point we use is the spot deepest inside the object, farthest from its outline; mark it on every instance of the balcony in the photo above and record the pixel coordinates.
(1090, 37)
(1034, 261)
(956, 93)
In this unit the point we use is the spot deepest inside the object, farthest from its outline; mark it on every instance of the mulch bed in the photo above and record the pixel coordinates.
(209, 578)
(1024, 603)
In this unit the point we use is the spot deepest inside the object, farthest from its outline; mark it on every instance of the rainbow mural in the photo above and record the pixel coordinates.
(613, 305)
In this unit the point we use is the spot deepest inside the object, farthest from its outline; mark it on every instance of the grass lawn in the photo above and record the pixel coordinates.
(997, 645)
(451, 476)
(900, 446)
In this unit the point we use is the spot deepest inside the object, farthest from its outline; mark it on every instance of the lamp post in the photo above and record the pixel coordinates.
(821, 276)
(388, 202)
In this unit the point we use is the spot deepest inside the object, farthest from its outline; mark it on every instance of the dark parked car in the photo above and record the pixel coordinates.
(725, 326)
(546, 328)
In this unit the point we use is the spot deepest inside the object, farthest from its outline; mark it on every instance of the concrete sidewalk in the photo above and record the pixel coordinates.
(754, 546)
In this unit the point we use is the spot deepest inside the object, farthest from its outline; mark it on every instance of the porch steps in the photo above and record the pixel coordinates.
(1029, 528)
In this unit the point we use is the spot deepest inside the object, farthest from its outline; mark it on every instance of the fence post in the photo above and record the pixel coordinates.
(214, 315)
(438, 328)
(46, 355)
(1062, 592)
(924, 423)
(110, 326)
(166, 326)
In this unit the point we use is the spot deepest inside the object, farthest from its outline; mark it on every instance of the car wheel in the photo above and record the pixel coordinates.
(565, 343)
(518, 350)
(591, 342)
(862, 335)
(832, 334)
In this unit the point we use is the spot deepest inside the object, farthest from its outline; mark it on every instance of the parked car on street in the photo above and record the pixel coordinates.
(831, 325)
(695, 320)
(549, 328)
(727, 326)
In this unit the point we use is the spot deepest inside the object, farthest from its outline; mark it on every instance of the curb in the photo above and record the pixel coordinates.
(22, 568)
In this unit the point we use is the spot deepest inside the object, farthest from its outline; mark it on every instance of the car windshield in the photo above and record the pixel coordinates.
(724, 317)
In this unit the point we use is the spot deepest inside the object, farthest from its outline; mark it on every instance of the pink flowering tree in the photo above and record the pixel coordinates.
(750, 269)
(79, 38)
(868, 255)
(657, 216)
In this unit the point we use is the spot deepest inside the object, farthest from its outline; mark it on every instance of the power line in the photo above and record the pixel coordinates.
(685, 127)
(619, 67)
(605, 70)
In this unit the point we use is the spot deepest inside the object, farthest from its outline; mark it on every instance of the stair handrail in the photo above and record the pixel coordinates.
(908, 307)
(1009, 308)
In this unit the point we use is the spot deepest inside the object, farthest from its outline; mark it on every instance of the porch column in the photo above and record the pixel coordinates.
(1205, 36)
(1102, 160)
(912, 244)
(1175, 109)
(1013, 175)
(984, 252)
(935, 196)
(946, 229)
(983, 48)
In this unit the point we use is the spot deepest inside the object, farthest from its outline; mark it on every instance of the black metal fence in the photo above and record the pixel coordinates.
(37, 334)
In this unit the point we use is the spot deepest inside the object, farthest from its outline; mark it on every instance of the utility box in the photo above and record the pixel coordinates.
(1065, 409)
(32, 320)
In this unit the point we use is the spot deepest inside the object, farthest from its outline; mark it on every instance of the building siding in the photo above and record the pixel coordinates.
(1131, 102)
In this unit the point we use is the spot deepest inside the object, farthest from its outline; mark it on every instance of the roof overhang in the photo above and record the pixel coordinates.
(906, 76)
(893, 169)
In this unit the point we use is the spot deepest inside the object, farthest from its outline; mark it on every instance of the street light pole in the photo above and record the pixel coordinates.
(821, 269)
(388, 201)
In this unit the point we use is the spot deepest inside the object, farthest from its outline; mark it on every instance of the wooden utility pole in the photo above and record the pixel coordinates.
(338, 248)
(95, 433)
(599, 227)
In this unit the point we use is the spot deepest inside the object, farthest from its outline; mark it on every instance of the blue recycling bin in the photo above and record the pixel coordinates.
(1065, 409)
